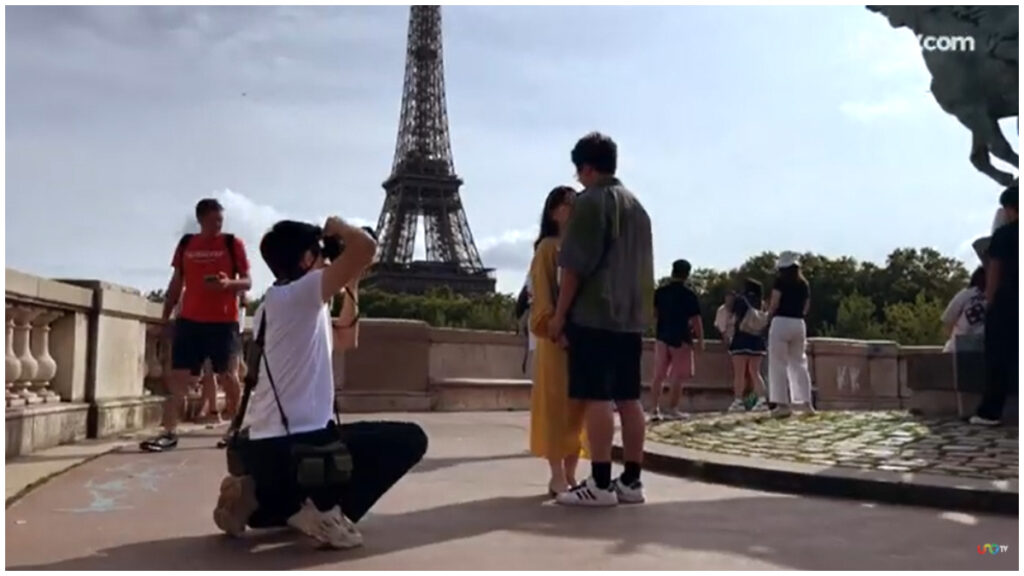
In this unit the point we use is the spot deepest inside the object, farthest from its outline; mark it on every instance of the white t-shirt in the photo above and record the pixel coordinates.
(966, 311)
(297, 346)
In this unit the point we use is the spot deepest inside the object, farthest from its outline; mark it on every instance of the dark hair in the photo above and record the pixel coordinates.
(681, 269)
(751, 294)
(792, 276)
(1008, 199)
(548, 226)
(753, 289)
(978, 279)
(284, 246)
(207, 205)
(597, 151)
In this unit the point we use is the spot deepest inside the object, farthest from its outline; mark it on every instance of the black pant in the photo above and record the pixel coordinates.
(194, 342)
(382, 452)
(1001, 360)
(603, 365)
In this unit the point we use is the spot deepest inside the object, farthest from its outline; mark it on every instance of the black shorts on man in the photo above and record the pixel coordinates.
(603, 364)
(195, 342)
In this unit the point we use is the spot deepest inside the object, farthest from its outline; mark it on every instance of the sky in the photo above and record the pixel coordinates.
(742, 129)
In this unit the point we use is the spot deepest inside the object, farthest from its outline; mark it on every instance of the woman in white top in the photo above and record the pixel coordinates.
(964, 318)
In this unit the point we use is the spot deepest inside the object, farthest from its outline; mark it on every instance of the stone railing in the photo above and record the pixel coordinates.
(86, 358)
(75, 361)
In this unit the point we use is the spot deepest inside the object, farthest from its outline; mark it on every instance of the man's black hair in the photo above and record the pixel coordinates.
(597, 151)
(207, 205)
(681, 269)
(284, 246)
(1008, 199)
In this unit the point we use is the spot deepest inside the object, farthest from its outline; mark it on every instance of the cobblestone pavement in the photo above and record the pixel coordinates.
(882, 440)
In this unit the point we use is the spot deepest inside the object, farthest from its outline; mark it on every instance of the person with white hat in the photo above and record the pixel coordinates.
(789, 381)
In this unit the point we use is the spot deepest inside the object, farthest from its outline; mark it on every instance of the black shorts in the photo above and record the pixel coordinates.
(603, 365)
(195, 342)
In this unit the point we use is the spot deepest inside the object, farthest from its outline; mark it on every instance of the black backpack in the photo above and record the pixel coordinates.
(229, 240)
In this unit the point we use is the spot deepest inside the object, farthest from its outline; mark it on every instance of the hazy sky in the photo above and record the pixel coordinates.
(741, 129)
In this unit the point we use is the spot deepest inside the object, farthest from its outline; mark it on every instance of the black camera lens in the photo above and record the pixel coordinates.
(332, 247)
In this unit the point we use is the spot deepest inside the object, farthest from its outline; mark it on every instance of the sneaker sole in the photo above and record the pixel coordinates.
(237, 501)
(320, 543)
(587, 504)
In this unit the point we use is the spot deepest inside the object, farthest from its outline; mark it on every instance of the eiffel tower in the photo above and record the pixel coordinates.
(423, 183)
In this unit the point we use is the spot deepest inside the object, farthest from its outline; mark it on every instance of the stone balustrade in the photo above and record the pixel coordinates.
(87, 359)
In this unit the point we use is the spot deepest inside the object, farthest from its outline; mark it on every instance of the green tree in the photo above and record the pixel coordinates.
(915, 323)
(855, 318)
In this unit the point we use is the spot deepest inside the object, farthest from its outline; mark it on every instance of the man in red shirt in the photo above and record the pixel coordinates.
(212, 269)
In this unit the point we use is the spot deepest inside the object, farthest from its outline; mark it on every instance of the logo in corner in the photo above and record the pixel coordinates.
(992, 549)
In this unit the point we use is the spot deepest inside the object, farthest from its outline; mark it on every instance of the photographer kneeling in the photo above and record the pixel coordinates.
(295, 464)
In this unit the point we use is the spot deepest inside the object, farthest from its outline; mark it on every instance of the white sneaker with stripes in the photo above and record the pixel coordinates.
(588, 494)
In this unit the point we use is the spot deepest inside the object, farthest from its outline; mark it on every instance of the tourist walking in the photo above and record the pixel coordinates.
(1002, 319)
(790, 378)
(677, 314)
(556, 421)
(605, 302)
(747, 346)
(964, 317)
(210, 270)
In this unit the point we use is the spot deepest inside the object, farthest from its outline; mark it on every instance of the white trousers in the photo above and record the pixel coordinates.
(789, 380)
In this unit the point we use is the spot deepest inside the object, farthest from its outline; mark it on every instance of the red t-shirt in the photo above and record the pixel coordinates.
(204, 256)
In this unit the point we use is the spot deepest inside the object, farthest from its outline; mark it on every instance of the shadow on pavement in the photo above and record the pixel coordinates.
(429, 464)
(787, 532)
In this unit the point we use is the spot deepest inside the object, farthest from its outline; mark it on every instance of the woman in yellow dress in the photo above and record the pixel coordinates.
(556, 422)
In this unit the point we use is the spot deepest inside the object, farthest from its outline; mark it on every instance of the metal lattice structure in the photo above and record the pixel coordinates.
(423, 183)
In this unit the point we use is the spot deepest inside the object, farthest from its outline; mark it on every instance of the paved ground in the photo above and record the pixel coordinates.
(893, 441)
(474, 503)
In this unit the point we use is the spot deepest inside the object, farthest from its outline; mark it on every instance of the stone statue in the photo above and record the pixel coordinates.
(980, 86)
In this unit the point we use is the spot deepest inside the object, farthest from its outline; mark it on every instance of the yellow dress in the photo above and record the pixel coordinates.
(556, 422)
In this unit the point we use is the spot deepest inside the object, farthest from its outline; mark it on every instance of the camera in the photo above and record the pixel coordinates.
(333, 246)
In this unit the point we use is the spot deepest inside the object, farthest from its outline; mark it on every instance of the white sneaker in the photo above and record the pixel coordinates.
(736, 406)
(678, 415)
(629, 493)
(760, 406)
(588, 494)
(329, 528)
(979, 421)
(656, 416)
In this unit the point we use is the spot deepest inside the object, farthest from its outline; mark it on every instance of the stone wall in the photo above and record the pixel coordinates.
(75, 365)
(84, 358)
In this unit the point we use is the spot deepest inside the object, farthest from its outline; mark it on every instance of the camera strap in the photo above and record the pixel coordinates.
(256, 355)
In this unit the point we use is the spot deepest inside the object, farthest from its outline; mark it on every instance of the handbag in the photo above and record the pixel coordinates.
(314, 466)
(754, 321)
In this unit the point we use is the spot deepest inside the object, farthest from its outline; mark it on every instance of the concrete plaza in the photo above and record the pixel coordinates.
(476, 502)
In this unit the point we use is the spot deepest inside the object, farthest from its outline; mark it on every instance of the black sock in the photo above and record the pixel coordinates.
(602, 473)
(631, 475)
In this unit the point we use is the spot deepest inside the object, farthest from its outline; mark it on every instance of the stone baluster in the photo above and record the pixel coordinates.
(154, 362)
(12, 367)
(47, 366)
(23, 318)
